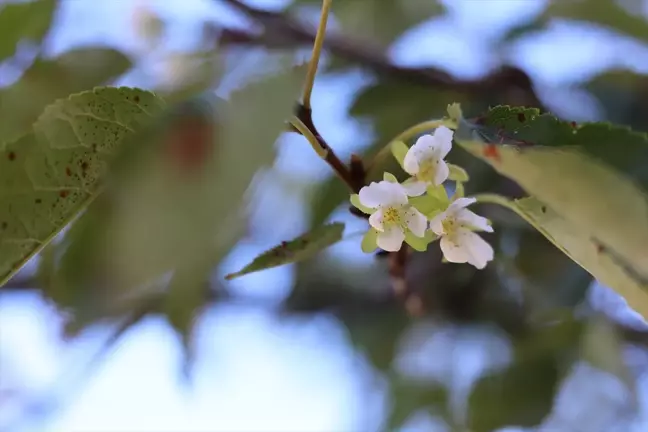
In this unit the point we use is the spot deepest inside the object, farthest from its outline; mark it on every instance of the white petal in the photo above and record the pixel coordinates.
(371, 196)
(441, 173)
(425, 144)
(376, 220)
(391, 240)
(443, 137)
(395, 193)
(436, 224)
(410, 163)
(452, 251)
(416, 222)
(475, 221)
(415, 188)
(460, 203)
(478, 249)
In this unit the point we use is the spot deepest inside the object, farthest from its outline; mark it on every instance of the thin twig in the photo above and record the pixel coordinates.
(317, 50)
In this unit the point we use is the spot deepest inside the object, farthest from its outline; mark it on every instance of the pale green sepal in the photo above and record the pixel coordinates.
(417, 243)
(391, 178)
(426, 204)
(459, 191)
(355, 201)
(369, 243)
(399, 149)
(440, 194)
(457, 173)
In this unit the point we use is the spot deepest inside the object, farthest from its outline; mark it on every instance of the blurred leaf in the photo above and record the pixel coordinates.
(602, 347)
(518, 31)
(608, 13)
(326, 198)
(299, 249)
(410, 397)
(523, 393)
(49, 175)
(188, 294)
(379, 20)
(47, 80)
(622, 94)
(520, 395)
(578, 171)
(28, 21)
(564, 286)
(185, 194)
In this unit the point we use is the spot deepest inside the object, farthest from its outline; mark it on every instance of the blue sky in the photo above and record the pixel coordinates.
(255, 371)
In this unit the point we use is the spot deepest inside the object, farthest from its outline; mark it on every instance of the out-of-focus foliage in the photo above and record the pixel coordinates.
(24, 22)
(175, 200)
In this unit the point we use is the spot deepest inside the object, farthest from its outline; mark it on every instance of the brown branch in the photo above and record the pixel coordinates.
(283, 31)
(349, 175)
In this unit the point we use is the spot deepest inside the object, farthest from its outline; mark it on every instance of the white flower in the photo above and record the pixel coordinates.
(424, 161)
(459, 243)
(392, 215)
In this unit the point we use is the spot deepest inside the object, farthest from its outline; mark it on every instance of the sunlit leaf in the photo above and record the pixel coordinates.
(52, 173)
(298, 249)
(26, 21)
(593, 175)
(579, 246)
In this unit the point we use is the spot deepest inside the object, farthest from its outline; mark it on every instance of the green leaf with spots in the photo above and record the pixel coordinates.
(299, 249)
(27, 21)
(50, 174)
(593, 175)
(48, 80)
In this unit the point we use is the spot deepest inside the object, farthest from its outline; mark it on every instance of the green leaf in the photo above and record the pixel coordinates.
(523, 393)
(520, 395)
(457, 174)
(399, 149)
(355, 201)
(410, 397)
(417, 243)
(27, 21)
(593, 175)
(608, 13)
(299, 249)
(602, 347)
(369, 241)
(390, 177)
(580, 247)
(49, 175)
(47, 80)
(186, 194)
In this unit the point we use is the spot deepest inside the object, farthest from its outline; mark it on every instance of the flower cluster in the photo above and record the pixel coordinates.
(418, 211)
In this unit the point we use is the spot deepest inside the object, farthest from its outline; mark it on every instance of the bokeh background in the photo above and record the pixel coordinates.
(324, 345)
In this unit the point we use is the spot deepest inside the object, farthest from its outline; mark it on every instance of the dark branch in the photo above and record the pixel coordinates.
(283, 31)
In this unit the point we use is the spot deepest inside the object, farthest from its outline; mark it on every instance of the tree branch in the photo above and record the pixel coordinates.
(284, 31)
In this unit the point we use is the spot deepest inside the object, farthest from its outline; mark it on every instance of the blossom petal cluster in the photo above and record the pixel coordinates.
(419, 211)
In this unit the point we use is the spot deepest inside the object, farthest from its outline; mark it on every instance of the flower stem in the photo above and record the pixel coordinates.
(406, 135)
(317, 49)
